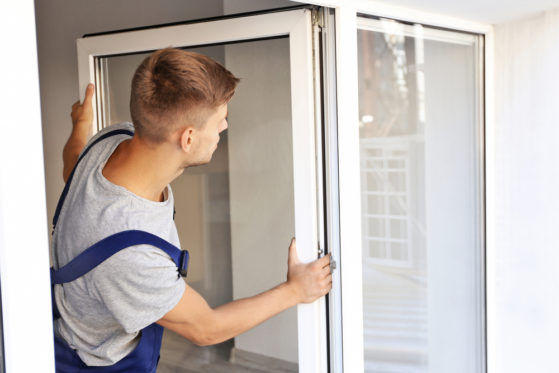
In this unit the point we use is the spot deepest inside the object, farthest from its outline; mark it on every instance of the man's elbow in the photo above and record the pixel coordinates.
(203, 341)
(207, 332)
(205, 337)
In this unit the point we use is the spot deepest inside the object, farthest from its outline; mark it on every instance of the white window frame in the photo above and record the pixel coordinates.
(24, 253)
(296, 24)
(350, 351)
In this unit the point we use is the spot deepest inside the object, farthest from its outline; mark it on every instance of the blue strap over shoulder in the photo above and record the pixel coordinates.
(67, 186)
(104, 249)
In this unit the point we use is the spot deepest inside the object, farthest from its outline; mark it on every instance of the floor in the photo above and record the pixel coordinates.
(395, 323)
(178, 355)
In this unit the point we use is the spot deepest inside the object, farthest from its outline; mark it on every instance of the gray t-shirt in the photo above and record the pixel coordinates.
(103, 311)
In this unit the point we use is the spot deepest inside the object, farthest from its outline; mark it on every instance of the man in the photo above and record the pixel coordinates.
(111, 316)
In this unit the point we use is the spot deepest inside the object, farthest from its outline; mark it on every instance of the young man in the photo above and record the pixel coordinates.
(111, 316)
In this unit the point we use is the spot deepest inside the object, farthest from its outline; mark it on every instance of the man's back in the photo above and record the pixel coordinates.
(103, 311)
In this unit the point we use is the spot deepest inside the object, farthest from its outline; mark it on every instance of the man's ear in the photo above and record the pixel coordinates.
(186, 139)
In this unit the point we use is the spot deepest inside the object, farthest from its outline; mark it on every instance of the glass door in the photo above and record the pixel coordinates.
(237, 214)
(421, 171)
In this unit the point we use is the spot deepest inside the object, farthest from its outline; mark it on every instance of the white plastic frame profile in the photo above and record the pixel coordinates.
(427, 33)
(297, 25)
(24, 254)
(346, 12)
(349, 189)
(410, 14)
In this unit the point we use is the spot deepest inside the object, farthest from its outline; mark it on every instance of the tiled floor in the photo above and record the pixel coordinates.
(178, 355)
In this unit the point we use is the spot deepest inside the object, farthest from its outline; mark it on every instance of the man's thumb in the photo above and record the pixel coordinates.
(293, 257)
(88, 94)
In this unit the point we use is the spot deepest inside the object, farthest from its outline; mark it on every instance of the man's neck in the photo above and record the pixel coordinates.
(141, 168)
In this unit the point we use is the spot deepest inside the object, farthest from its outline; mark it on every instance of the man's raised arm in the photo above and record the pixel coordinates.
(82, 117)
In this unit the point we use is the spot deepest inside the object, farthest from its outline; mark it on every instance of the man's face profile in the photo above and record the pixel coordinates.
(206, 138)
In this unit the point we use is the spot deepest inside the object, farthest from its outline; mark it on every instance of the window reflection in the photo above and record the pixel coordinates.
(420, 199)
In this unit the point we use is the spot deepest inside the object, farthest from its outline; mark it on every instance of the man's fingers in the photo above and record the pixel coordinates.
(88, 94)
(324, 261)
(327, 286)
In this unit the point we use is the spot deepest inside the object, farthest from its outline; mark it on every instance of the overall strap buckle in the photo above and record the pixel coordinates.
(183, 263)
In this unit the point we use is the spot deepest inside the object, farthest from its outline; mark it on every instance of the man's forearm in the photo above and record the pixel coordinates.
(241, 315)
(82, 118)
(195, 320)
(71, 152)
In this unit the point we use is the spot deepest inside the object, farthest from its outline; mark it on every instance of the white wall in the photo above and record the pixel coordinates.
(261, 186)
(526, 322)
(241, 6)
(59, 24)
(261, 179)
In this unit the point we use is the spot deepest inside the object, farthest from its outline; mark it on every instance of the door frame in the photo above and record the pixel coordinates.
(297, 25)
(24, 255)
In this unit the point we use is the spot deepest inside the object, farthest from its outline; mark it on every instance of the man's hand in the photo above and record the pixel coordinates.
(82, 114)
(308, 281)
(82, 118)
(194, 319)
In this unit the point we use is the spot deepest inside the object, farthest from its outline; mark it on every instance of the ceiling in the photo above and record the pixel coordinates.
(486, 11)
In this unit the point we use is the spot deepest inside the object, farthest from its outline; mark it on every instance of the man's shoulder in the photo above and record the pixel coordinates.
(99, 147)
(116, 129)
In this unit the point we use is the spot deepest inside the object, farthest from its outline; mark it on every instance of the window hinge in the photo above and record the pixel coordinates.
(318, 17)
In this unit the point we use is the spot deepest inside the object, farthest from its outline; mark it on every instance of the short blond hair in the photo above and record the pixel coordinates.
(172, 88)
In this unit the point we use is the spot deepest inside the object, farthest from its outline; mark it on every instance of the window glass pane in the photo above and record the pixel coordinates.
(376, 204)
(398, 229)
(376, 227)
(236, 214)
(421, 204)
(377, 249)
(398, 204)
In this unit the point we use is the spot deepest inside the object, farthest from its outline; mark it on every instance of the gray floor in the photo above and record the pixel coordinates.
(178, 355)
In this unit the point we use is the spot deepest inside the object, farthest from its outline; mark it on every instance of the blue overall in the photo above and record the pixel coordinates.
(145, 356)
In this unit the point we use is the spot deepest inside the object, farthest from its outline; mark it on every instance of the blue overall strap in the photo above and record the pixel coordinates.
(67, 186)
(104, 249)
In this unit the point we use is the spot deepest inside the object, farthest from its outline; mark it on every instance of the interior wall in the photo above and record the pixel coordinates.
(249, 248)
(261, 186)
(241, 6)
(59, 24)
(527, 208)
